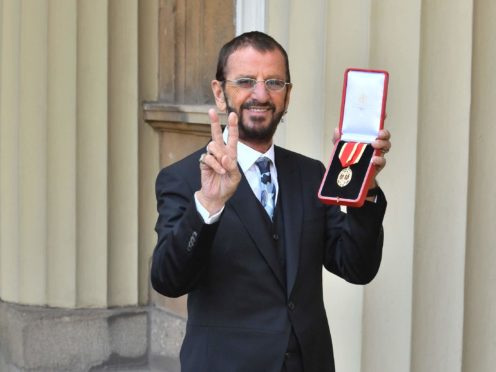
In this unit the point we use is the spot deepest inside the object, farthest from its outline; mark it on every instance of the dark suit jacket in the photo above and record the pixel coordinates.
(241, 306)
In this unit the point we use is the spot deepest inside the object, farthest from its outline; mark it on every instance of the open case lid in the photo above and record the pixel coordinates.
(363, 104)
(363, 110)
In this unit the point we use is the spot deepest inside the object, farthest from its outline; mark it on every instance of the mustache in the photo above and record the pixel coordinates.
(255, 103)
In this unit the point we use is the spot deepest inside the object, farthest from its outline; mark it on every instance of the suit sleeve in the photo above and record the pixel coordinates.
(181, 255)
(354, 241)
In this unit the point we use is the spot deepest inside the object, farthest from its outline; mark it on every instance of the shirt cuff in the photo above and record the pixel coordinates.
(204, 213)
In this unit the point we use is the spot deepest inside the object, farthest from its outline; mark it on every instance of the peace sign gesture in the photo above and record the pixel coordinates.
(220, 174)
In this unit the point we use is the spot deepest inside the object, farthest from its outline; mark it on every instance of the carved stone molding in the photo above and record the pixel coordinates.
(169, 117)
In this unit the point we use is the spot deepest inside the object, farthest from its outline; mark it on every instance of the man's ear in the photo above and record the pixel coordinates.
(219, 95)
(286, 100)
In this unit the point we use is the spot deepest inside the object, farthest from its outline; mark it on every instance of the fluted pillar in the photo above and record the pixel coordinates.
(9, 148)
(123, 153)
(387, 311)
(32, 152)
(442, 180)
(480, 299)
(92, 153)
(61, 154)
(69, 110)
(71, 140)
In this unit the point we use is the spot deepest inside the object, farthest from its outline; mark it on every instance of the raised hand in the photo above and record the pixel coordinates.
(220, 174)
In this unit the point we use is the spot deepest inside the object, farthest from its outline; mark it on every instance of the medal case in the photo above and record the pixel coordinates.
(363, 110)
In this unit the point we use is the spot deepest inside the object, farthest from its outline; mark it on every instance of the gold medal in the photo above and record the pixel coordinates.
(344, 177)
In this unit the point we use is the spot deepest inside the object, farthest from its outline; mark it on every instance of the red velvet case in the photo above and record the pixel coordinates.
(363, 110)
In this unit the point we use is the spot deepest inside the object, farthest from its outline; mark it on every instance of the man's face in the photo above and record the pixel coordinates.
(259, 110)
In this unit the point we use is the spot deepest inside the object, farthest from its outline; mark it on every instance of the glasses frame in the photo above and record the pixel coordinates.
(236, 83)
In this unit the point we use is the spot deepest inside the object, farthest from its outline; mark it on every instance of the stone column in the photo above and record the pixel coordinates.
(480, 300)
(73, 254)
(441, 186)
(387, 311)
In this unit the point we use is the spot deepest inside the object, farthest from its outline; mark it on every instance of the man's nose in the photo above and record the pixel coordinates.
(260, 92)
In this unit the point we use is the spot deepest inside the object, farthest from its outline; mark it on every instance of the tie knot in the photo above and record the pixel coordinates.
(263, 163)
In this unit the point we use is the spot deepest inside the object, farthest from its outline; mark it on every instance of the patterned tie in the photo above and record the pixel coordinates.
(268, 195)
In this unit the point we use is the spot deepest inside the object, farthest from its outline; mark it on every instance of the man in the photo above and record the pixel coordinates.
(254, 277)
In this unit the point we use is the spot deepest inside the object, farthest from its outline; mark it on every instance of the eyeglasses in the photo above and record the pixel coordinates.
(272, 85)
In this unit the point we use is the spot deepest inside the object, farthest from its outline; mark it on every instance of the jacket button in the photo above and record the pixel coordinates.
(291, 305)
(192, 241)
(275, 237)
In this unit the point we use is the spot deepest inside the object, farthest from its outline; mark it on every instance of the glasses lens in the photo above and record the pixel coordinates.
(245, 83)
(275, 84)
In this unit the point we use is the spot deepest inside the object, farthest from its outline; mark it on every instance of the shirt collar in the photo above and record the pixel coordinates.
(248, 156)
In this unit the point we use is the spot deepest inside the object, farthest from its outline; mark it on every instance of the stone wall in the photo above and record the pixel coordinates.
(36, 338)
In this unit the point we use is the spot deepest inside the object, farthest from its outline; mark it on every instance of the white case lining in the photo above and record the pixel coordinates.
(363, 106)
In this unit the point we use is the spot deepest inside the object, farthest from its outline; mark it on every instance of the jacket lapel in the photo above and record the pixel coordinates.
(253, 217)
(291, 190)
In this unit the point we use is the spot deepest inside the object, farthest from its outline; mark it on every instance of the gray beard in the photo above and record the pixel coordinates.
(257, 135)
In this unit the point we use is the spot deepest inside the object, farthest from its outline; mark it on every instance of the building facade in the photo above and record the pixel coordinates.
(97, 95)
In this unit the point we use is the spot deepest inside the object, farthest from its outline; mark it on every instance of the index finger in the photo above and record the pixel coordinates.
(215, 128)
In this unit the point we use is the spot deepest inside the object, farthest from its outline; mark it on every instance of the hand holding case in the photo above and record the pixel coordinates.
(363, 111)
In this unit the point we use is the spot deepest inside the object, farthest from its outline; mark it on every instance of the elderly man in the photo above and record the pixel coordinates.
(243, 232)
